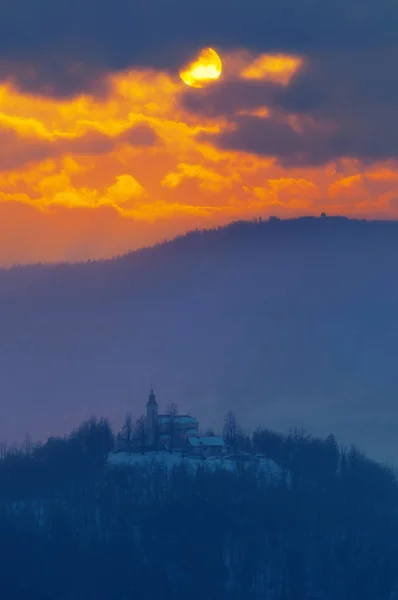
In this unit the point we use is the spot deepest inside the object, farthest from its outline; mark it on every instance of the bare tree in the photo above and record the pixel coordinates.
(141, 430)
(3, 449)
(230, 430)
(172, 413)
(127, 431)
(27, 445)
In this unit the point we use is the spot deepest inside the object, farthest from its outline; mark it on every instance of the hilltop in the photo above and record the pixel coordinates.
(286, 322)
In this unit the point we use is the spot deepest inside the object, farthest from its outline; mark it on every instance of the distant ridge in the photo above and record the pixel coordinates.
(239, 226)
(287, 322)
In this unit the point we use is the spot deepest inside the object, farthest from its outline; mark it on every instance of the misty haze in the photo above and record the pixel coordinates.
(288, 323)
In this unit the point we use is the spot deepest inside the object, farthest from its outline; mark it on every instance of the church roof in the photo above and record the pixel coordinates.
(164, 419)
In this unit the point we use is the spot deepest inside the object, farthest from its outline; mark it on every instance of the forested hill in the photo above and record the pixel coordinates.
(72, 528)
(286, 322)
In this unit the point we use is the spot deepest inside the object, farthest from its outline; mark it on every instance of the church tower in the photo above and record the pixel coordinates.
(152, 418)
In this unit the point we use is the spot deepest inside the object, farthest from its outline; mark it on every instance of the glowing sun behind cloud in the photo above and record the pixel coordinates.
(204, 69)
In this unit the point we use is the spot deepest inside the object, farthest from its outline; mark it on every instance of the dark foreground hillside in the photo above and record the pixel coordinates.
(72, 528)
(286, 322)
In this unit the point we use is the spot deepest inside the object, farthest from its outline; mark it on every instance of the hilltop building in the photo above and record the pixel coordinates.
(171, 431)
(169, 428)
(206, 445)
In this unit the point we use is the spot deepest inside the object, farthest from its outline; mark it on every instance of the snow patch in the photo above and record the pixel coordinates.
(175, 459)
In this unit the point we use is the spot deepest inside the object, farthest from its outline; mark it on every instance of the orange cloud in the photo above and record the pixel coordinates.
(94, 176)
(209, 179)
(278, 68)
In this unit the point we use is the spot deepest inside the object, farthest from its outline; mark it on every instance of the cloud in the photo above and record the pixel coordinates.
(340, 105)
(140, 135)
(126, 188)
(274, 137)
(278, 68)
(209, 179)
(63, 77)
(228, 98)
(91, 37)
(154, 152)
(344, 98)
(358, 139)
(18, 150)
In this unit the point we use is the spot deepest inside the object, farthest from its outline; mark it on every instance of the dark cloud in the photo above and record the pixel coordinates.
(274, 137)
(41, 41)
(334, 83)
(349, 88)
(93, 142)
(345, 105)
(139, 135)
(227, 98)
(16, 150)
(312, 145)
(58, 76)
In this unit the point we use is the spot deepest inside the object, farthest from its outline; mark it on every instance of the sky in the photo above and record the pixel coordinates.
(105, 149)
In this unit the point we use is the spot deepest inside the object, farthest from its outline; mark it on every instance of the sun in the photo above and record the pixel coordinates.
(206, 68)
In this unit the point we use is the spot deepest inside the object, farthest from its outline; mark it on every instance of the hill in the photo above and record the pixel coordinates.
(312, 521)
(286, 322)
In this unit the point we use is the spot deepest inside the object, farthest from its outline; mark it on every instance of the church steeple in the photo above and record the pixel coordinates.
(152, 398)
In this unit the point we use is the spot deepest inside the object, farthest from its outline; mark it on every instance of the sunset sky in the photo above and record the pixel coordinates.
(105, 149)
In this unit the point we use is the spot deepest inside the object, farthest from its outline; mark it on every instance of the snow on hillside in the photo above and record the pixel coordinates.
(175, 459)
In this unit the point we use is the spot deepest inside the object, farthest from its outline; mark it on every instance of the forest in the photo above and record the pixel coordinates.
(72, 528)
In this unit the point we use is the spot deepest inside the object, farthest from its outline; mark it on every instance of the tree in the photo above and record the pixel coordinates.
(141, 430)
(95, 438)
(331, 455)
(3, 449)
(270, 444)
(230, 430)
(127, 431)
(27, 445)
(172, 413)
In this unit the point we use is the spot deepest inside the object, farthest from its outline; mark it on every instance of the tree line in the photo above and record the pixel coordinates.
(72, 528)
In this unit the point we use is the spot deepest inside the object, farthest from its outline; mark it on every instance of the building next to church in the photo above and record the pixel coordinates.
(206, 445)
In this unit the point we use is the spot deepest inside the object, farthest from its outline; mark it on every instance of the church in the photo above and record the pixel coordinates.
(168, 427)
(175, 431)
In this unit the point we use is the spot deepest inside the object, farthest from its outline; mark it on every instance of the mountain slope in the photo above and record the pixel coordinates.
(289, 323)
